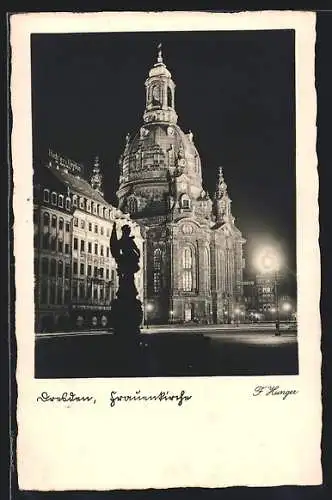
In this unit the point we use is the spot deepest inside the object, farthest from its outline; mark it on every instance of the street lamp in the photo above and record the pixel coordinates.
(172, 315)
(287, 307)
(268, 262)
(148, 308)
(237, 312)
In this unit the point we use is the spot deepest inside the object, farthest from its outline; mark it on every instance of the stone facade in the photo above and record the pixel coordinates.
(193, 250)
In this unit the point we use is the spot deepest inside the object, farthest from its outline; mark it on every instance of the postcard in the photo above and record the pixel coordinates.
(167, 265)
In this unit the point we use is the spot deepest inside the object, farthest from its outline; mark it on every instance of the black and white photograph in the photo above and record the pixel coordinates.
(167, 271)
(164, 204)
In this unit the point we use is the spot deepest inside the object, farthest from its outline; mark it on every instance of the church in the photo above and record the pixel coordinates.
(193, 249)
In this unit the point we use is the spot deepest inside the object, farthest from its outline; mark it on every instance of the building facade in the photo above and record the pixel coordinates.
(75, 274)
(193, 249)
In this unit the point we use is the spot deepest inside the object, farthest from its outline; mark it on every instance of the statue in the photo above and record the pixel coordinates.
(127, 311)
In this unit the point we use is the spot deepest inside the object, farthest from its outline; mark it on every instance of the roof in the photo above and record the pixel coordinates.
(77, 184)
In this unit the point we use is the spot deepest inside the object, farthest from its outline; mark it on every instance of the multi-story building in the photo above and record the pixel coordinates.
(75, 275)
(194, 256)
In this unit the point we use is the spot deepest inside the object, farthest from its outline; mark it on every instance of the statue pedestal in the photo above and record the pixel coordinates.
(126, 317)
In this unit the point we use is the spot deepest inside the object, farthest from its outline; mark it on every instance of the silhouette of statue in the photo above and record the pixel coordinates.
(127, 311)
(125, 251)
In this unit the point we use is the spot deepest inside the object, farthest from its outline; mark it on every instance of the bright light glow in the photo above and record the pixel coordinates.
(149, 307)
(237, 311)
(273, 310)
(286, 306)
(267, 260)
(171, 313)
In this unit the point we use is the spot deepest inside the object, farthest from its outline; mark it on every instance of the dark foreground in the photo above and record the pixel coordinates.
(167, 353)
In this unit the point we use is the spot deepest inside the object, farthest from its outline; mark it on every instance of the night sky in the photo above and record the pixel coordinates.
(234, 90)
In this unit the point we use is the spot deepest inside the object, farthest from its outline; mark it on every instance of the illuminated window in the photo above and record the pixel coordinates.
(187, 266)
(207, 267)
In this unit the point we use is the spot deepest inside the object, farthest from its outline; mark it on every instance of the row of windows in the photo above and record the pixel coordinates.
(92, 227)
(59, 268)
(62, 295)
(47, 219)
(53, 244)
(83, 246)
(76, 201)
(57, 200)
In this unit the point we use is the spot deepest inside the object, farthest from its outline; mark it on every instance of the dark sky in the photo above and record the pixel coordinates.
(234, 90)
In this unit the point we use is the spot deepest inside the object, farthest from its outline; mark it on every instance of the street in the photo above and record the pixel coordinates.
(222, 350)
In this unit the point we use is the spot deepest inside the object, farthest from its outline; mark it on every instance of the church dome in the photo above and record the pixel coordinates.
(159, 69)
(160, 158)
(159, 148)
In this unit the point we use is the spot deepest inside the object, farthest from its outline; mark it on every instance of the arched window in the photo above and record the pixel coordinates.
(46, 195)
(169, 98)
(61, 200)
(54, 198)
(132, 205)
(68, 203)
(185, 201)
(188, 269)
(75, 200)
(157, 270)
(207, 268)
(221, 271)
(155, 95)
(46, 219)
